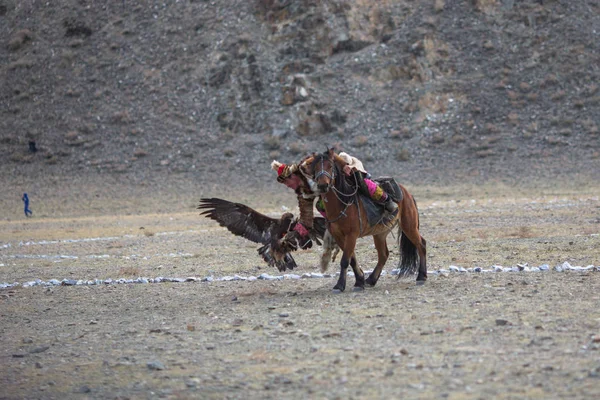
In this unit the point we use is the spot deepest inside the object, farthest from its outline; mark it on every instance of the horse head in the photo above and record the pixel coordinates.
(322, 170)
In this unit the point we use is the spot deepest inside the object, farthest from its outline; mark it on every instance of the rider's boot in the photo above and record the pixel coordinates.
(390, 205)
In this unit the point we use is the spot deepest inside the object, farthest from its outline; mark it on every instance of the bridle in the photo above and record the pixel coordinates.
(336, 191)
(322, 172)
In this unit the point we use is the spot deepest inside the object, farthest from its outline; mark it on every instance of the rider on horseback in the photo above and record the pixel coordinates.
(365, 184)
(291, 176)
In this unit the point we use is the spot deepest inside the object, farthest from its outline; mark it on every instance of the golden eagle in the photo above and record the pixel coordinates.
(243, 221)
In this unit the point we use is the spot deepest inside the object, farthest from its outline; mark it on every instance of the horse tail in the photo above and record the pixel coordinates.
(408, 251)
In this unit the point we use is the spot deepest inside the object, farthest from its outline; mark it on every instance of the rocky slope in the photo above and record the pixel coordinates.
(211, 91)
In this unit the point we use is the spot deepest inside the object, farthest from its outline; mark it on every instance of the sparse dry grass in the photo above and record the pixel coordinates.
(129, 271)
(147, 232)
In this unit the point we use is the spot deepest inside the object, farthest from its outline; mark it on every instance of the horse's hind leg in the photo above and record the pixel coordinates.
(382, 255)
(422, 249)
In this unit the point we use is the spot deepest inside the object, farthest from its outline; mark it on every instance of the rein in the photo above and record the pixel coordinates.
(337, 192)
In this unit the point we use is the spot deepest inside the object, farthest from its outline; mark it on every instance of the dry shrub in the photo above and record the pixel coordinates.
(486, 6)
(458, 138)
(148, 232)
(272, 142)
(297, 148)
(21, 63)
(51, 160)
(71, 135)
(490, 128)
(532, 96)
(523, 232)
(591, 230)
(524, 86)
(484, 153)
(19, 39)
(433, 103)
(532, 127)
(361, 141)
(435, 50)
(129, 271)
(549, 80)
(121, 117)
(512, 95)
(20, 157)
(402, 133)
(438, 138)
(140, 153)
(403, 155)
(558, 95)
(439, 5)
(513, 118)
(481, 234)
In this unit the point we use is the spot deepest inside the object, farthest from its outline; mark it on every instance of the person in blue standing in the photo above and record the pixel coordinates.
(26, 201)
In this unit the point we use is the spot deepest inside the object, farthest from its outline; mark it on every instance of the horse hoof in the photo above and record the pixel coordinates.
(358, 289)
(420, 283)
(337, 291)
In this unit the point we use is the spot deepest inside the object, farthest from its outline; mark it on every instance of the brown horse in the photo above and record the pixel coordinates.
(347, 219)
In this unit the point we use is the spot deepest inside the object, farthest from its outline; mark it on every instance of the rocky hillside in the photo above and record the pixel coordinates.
(430, 91)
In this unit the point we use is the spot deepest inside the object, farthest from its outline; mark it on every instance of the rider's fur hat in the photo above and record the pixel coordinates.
(283, 171)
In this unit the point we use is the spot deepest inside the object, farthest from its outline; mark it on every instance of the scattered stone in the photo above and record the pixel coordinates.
(502, 322)
(84, 389)
(155, 366)
(265, 276)
(39, 349)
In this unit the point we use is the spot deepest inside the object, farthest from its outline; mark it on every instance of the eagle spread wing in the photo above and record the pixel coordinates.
(243, 221)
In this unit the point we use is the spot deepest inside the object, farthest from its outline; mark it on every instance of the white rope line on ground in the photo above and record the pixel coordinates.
(519, 268)
(94, 256)
(9, 245)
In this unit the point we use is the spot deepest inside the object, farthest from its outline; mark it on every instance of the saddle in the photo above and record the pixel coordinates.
(376, 214)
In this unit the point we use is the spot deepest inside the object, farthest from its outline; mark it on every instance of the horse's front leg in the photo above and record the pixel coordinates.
(359, 275)
(340, 286)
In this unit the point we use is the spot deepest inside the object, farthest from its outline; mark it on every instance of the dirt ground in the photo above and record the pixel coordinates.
(528, 335)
